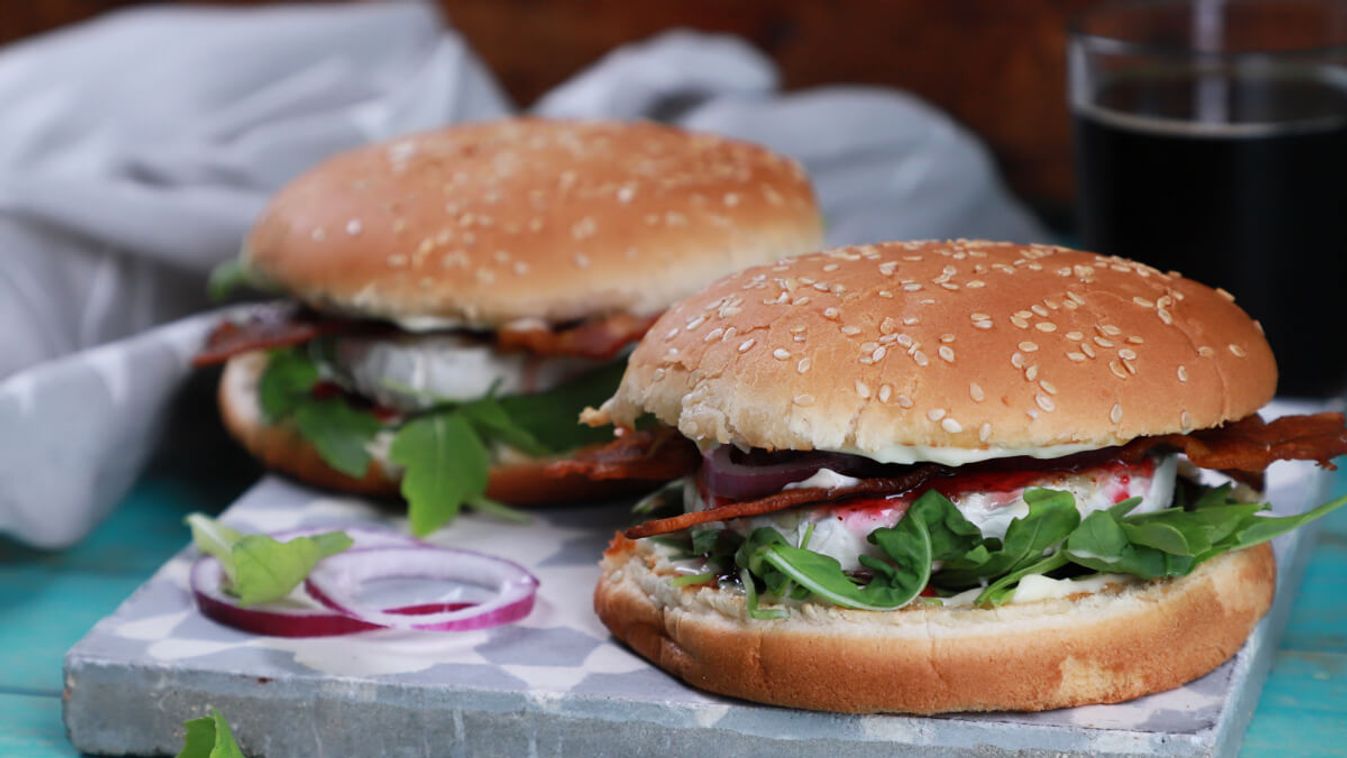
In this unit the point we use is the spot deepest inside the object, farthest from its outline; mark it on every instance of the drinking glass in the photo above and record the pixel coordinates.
(1211, 138)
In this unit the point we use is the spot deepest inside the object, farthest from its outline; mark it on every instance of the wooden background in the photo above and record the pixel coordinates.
(998, 66)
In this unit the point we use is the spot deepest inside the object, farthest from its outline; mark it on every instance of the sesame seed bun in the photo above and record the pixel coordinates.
(282, 448)
(1113, 645)
(486, 223)
(947, 352)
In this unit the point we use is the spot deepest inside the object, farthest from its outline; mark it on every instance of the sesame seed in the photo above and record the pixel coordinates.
(830, 313)
(1221, 291)
(979, 316)
(946, 353)
(804, 400)
(1085, 348)
(694, 322)
(949, 286)
(880, 352)
(1045, 326)
(1028, 347)
(920, 358)
(1164, 315)
(582, 260)
(1183, 373)
(1110, 330)
(1031, 372)
(1044, 402)
(671, 334)
(318, 234)
(731, 199)
(625, 193)
(1074, 356)
(831, 267)
(1117, 369)
(1143, 302)
(974, 284)
(850, 330)
(935, 414)
(1115, 413)
(1100, 341)
(947, 337)
(1205, 351)
(354, 227)
(904, 401)
(1021, 323)
(1075, 336)
(886, 294)
(982, 324)
(1127, 354)
(863, 390)
(1131, 369)
(1032, 413)
(984, 432)
(911, 287)
(747, 344)
(888, 267)
(975, 392)
(1024, 314)
(1237, 351)
(885, 392)
(1077, 299)
(1048, 387)
(714, 334)
(1185, 420)
(911, 321)
(951, 426)
(781, 354)
(905, 340)
(1040, 310)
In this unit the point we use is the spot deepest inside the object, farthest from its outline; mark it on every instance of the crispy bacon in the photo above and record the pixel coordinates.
(656, 455)
(1242, 449)
(599, 338)
(786, 499)
(285, 325)
(271, 326)
(1252, 444)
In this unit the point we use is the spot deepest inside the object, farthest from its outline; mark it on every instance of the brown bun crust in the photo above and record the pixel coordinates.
(1106, 647)
(281, 448)
(967, 345)
(491, 222)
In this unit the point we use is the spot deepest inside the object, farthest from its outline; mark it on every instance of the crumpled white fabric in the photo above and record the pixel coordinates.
(136, 149)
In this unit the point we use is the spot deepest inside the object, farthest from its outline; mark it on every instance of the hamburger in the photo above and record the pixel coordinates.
(456, 297)
(952, 476)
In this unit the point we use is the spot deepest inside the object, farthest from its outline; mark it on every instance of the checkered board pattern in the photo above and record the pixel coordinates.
(554, 683)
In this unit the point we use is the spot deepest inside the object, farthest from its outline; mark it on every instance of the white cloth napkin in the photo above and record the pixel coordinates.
(136, 149)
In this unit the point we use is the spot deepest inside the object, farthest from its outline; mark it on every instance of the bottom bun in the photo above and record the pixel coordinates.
(1123, 642)
(282, 448)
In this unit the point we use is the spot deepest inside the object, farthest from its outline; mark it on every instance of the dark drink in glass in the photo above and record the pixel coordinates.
(1228, 165)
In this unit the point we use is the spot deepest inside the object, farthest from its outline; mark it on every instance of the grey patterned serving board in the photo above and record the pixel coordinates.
(556, 684)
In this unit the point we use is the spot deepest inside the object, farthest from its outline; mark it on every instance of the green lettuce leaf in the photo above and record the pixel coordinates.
(444, 465)
(1052, 517)
(209, 737)
(341, 434)
(286, 383)
(258, 568)
(552, 417)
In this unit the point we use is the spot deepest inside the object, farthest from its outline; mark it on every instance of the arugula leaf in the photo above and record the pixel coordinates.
(444, 465)
(484, 504)
(751, 592)
(1256, 528)
(227, 278)
(551, 416)
(286, 383)
(999, 591)
(669, 495)
(689, 579)
(1051, 518)
(209, 737)
(339, 432)
(260, 569)
(491, 421)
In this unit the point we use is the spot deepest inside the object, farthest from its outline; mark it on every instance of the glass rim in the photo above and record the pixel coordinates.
(1106, 43)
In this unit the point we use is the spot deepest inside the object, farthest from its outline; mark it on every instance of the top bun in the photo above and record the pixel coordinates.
(948, 352)
(487, 223)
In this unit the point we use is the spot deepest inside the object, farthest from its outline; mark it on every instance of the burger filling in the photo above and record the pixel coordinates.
(786, 528)
(438, 408)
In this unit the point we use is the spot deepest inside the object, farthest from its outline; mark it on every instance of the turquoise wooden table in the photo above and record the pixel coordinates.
(49, 600)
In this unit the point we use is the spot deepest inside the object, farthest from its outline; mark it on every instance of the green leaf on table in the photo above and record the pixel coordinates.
(258, 568)
(444, 465)
(341, 433)
(286, 383)
(209, 737)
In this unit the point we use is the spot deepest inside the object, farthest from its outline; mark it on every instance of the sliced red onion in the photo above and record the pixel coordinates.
(724, 477)
(302, 615)
(280, 619)
(337, 579)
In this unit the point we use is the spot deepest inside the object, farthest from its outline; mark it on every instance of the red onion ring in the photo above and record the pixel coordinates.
(723, 477)
(334, 581)
(276, 620)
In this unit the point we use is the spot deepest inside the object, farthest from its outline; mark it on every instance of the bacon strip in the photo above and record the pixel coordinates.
(285, 325)
(1252, 444)
(657, 455)
(270, 326)
(786, 499)
(600, 338)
